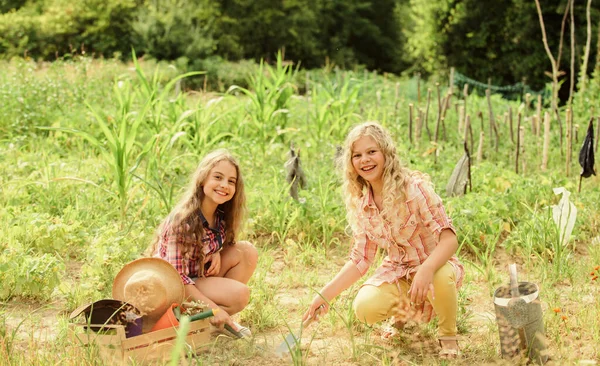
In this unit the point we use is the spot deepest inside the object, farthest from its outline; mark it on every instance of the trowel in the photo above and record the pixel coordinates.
(292, 339)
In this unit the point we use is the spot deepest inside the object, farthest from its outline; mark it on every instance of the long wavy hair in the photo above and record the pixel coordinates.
(396, 177)
(185, 220)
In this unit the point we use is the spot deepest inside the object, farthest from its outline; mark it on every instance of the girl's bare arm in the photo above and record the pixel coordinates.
(446, 248)
(345, 278)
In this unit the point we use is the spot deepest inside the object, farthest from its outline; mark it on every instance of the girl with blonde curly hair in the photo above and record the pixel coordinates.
(396, 209)
(199, 238)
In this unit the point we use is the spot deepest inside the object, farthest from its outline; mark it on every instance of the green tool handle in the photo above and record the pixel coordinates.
(203, 315)
(233, 331)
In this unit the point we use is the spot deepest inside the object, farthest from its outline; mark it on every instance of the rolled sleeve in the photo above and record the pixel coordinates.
(170, 251)
(363, 253)
(432, 212)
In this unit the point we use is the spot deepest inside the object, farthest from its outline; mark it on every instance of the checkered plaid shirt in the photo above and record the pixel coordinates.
(170, 243)
(407, 244)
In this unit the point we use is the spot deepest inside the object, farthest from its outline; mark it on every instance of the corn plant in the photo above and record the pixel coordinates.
(119, 145)
(205, 128)
(152, 92)
(335, 108)
(271, 90)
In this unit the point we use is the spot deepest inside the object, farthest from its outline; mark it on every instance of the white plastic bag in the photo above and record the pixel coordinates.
(564, 215)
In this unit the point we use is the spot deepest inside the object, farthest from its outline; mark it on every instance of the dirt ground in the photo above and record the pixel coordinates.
(322, 343)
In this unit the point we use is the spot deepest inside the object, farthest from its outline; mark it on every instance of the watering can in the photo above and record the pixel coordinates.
(519, 317)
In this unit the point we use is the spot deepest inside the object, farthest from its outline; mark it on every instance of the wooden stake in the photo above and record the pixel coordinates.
(587, 47)
(420, 124)
(439, 118)
(417, 130)
(480, 115)
(480, 147)
(491, 116)
(546, 141)
(505, 123)
(461, 121)
(522, 140)
(418, 88)
(468, 132)
(572, 79)
(451, 86)
(465, 96)
(307, 93)
(560, 129)
(597, 126)
(539, 115)
(444, 109)
(510, 123)
(535, 124)
(568, 139)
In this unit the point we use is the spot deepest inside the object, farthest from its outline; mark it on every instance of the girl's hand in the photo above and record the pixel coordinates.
(317, 308)
(422, 283)
(221, 318)
(215, 265)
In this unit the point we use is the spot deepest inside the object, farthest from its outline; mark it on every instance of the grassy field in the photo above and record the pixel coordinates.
(94, 153)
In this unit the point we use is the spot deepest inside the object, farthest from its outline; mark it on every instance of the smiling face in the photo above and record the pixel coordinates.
(219, 187)
(368, 160)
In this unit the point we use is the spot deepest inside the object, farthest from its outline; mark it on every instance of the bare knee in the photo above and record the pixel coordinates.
(249, 254)
(240, 299)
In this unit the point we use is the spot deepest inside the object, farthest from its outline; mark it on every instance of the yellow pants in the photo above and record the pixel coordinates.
(375, 303)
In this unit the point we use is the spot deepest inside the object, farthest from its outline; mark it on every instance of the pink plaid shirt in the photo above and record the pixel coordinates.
(407, 244)
(169, 249)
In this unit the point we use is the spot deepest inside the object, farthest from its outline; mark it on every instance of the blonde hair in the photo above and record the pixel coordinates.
(185, 220)
(396, 177)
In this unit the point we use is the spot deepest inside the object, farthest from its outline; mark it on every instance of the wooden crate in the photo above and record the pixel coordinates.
(115, 348)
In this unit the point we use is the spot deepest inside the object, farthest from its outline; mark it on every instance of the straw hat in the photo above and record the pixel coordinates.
(151, 285)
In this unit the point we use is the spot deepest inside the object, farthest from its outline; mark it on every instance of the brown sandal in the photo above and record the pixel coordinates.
(449, 353)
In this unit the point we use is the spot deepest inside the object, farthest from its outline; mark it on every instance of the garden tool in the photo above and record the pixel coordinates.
(519, 318)
(171, 317)
(291, 340)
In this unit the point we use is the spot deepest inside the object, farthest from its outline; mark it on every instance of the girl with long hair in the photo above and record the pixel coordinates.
(396, 209)
(199, 238)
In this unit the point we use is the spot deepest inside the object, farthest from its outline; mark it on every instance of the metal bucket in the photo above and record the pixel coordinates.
(520, 322)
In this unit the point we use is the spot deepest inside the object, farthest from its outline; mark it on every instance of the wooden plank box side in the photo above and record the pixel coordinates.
(153, 346)
(158, 345)
(109, 346)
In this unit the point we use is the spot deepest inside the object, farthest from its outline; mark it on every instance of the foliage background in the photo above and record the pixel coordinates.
(499, 40)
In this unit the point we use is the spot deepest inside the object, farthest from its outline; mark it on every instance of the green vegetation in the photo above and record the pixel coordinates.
(94, 153)
(501, 41)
